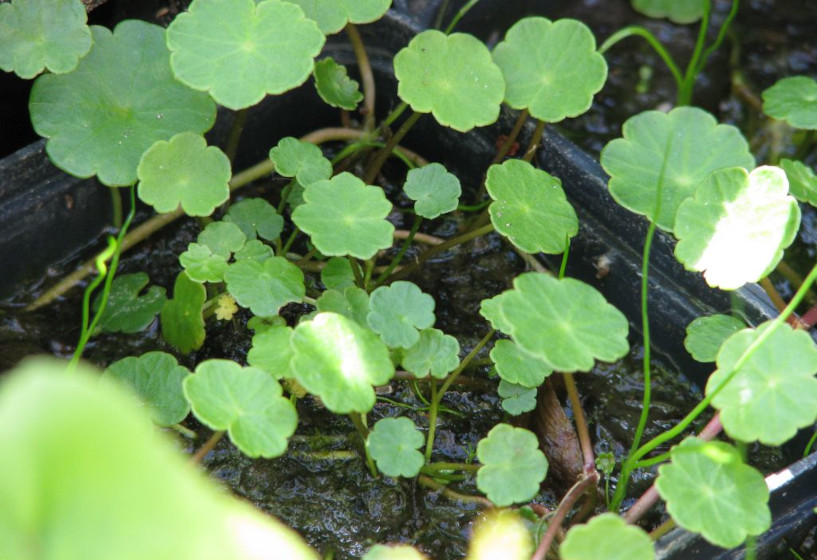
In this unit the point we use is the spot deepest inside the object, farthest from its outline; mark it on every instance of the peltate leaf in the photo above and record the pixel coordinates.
(202, 265)
(551, 69)
(516, 399)
(512, 465)
(398, 312)
(774, 392)
(239, 51)
(530, 207)
(393, 444)
(514, 365)
(344, 216)
(246, 402)
(222, 238)
(338, 360)
(271, 351)
(156, 378)
(451, 77)
(351, 302)
(606, 537)
(709, 490)
(566, 323)
(37, 34)
(671, 152)
(434, 190)
(736, 227)
(335, 86)
(332, 15)
(337, 274)
(265, 287)
(181, 317)
(98, 122)
(127, 311)
(435, 353)
(256, 216)
(302, 160)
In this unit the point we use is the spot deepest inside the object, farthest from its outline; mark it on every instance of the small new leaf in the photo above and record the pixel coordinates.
(451, 77)
(127, 311)
(299, 159)
(37, 34)
(156, 378)
(256, 216)
(514, 365)
(264, 287)
(393, 444)
(516, 399)
(705, 335)
(181, 318)
(513, 467)
(794, 100)
(246, 402)
(802, 180)
(398, 311)
(709, 490)
(435, 353)
(335, 86)
(434, 190)
(351, 302)
(530, 207)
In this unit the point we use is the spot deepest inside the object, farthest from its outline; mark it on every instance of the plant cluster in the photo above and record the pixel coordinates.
(130, 106)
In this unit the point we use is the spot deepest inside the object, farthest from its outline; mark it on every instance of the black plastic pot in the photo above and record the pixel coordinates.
(47, 217)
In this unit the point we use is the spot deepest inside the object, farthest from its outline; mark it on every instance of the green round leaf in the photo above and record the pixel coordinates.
(239, 51)
(156, 378)
(551, 69)
(265, 287)
(222, 238)
(736, 227)
(299, 159)
(679, 11)
(98, 122)
(566, 323)
(393, 552)
(705, 335)
(451, 77)
(271, 351)
(435, 353)
(254, 250)
(337, 274)
(202, 265)
(181, 317)
(516, 399)
(514, 365)
(794, 100)
(606, 537)
(338, 360)
(398, 311)
(513, 467)
(434, 190)
(774, 392)
(37, 34)
(186, 172)
(530, 207)
(351, 302)
(393, 444)
(127, 311)
(332, 15)
(802, 180)
(675, 150)
(709, 490)
(246, 402)
(335, 86)
(256, 216)
(344, 216)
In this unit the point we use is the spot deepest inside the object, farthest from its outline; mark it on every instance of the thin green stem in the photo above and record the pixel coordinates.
(360, 424)
(116, 207)
(460, 14)
(437, 395)
(235, 134)
(810, 444)
(653, 461)
(685, 91)
(290, 240)
(382, 155)
(394, 115)
(431, 251)
(208, 446)
(535, 140)
(357, 273)
(399, 256)
(512, 136)
(652, 40)
(721, 36)
(575, 492)
(565, 256)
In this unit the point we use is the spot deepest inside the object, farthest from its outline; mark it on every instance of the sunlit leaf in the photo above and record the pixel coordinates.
(709, 490)
(500, 534)
(736, 227)
(239, 51)
(393, 552)
(672, 151)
